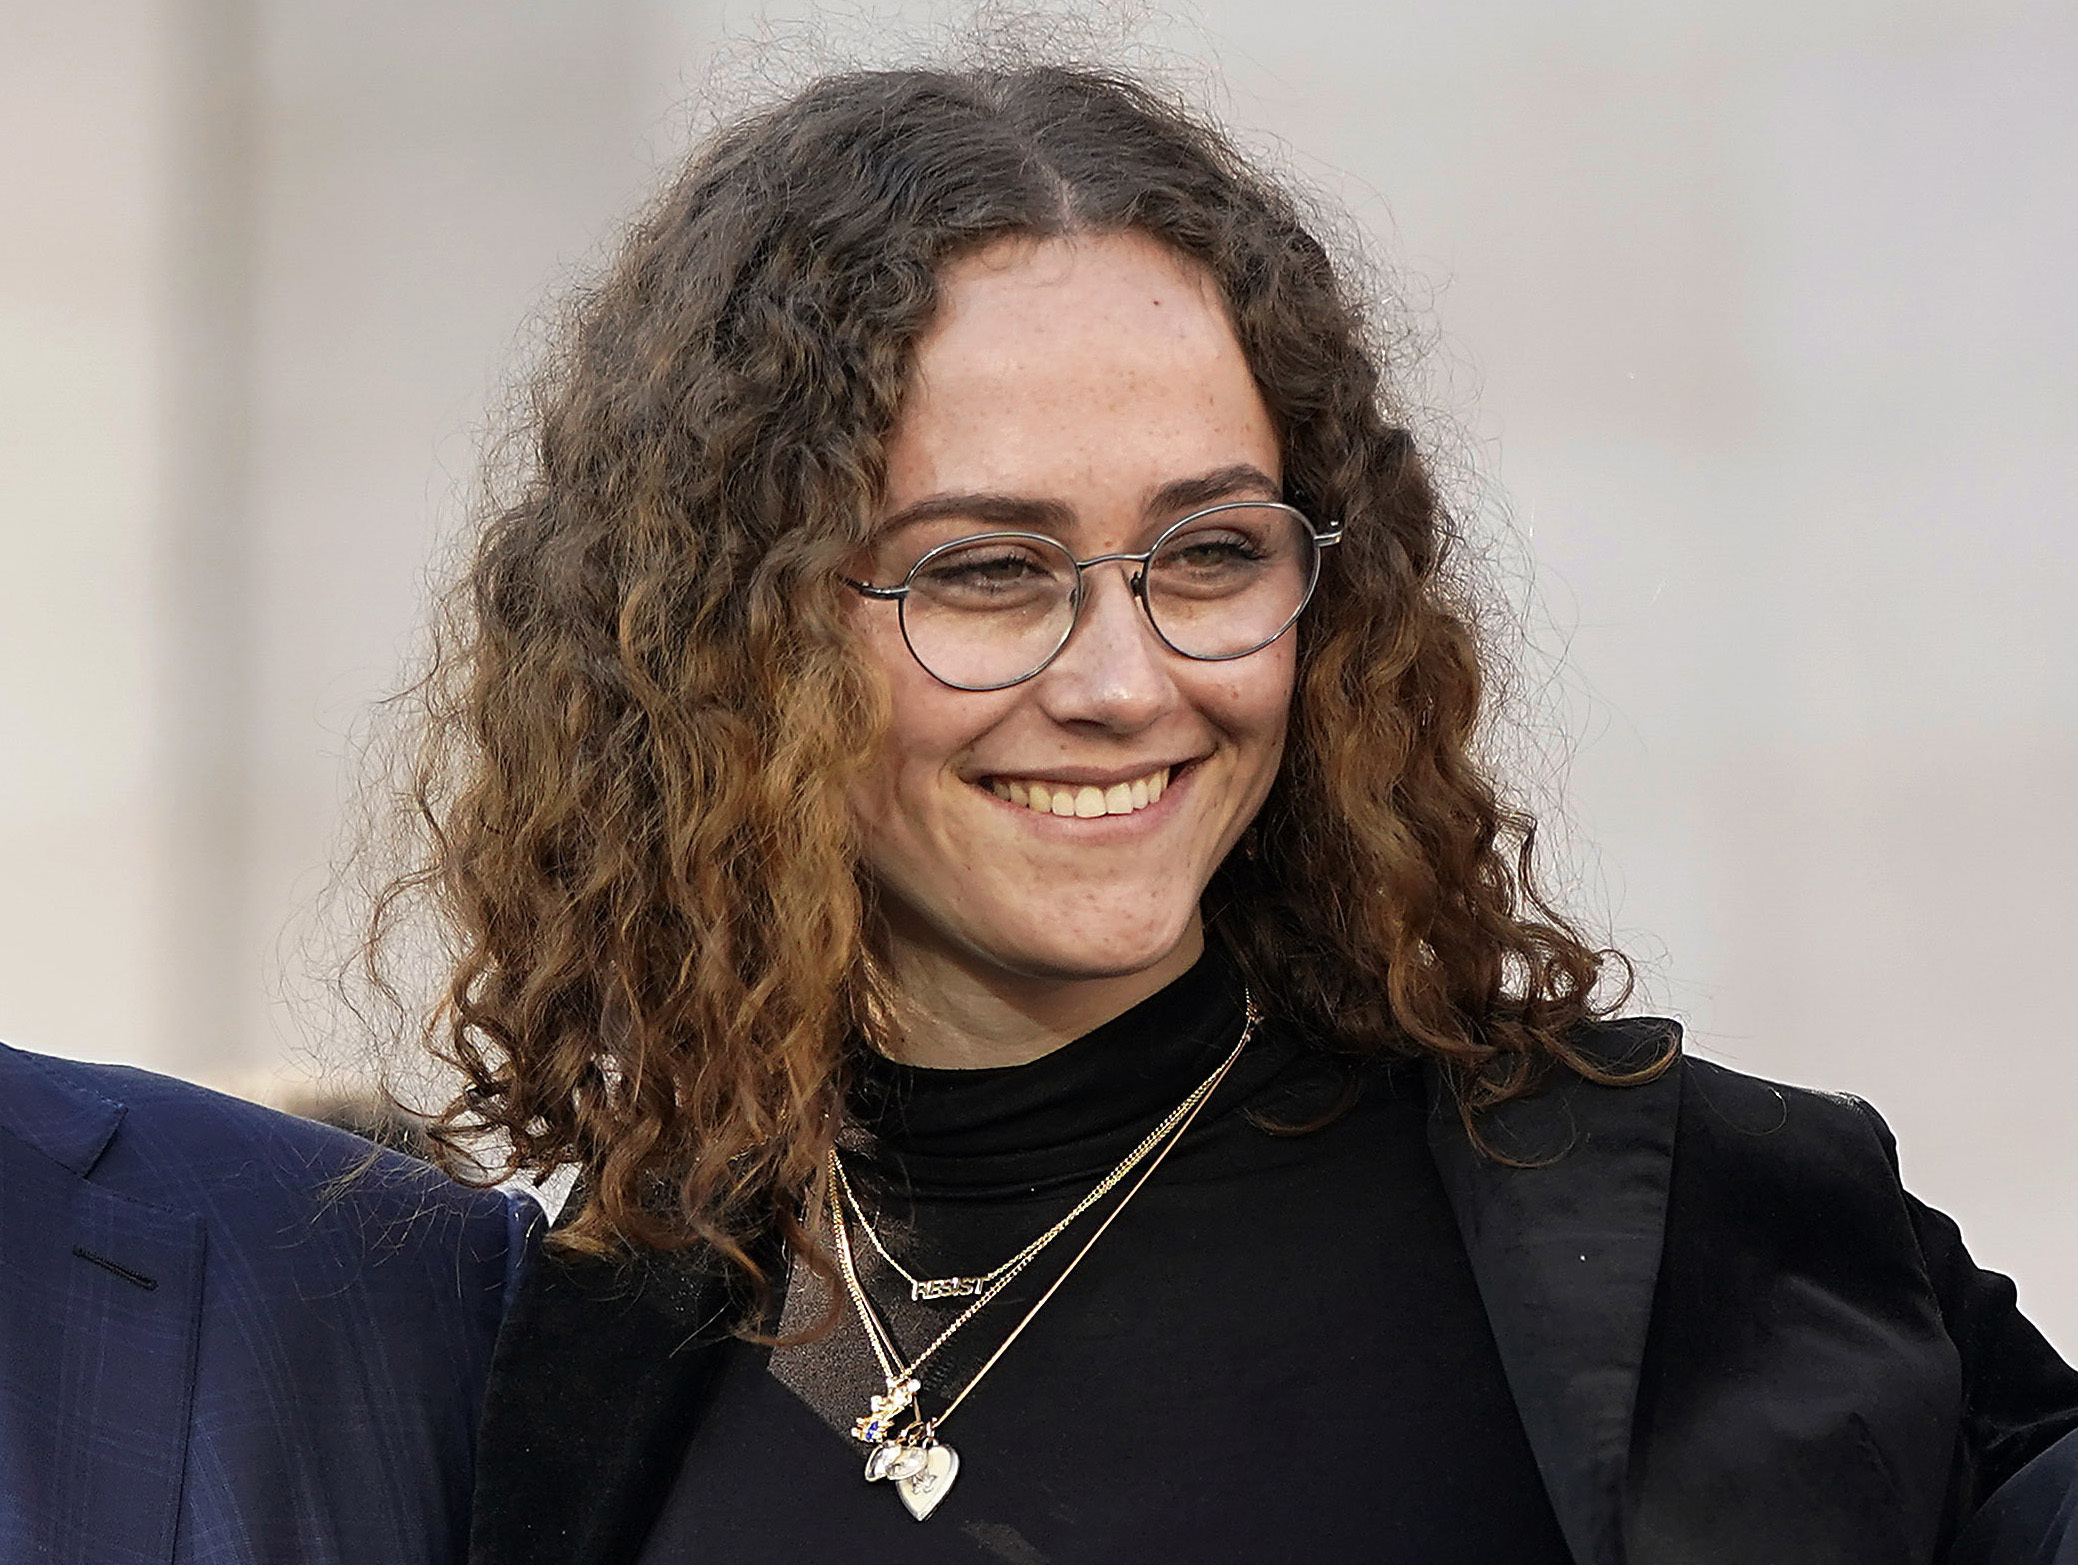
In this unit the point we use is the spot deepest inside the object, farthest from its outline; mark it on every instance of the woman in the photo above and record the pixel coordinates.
(955, 799)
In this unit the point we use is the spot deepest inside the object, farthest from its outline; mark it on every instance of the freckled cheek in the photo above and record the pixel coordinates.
(1253, 706)
(927, 742)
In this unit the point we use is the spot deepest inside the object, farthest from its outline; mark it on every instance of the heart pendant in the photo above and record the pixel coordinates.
(921, 1491)
(891, 1460)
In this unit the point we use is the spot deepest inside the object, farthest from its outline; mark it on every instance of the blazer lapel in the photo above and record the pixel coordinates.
(99, 1317)
(1566, 1253)
(598, 1369)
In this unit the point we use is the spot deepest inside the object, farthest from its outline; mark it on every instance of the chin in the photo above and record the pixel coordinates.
(1067, 947)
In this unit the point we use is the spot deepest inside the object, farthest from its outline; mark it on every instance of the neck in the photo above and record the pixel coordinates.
(957, 1014)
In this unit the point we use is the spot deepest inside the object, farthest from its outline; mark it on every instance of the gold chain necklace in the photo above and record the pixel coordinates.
(921, 1288)
(921, 1466)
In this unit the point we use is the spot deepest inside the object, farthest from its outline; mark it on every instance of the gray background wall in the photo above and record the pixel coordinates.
(1759, 318)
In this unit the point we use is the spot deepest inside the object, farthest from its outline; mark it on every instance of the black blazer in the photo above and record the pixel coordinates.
(1730, 1334)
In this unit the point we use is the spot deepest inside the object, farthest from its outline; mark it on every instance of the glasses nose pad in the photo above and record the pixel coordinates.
(1137, 584)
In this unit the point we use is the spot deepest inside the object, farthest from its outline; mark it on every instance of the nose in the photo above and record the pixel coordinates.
(1114, 671)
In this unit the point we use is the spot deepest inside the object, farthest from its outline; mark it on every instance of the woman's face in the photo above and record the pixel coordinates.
(1091, 388)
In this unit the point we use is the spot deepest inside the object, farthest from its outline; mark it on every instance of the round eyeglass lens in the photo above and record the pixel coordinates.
(987, 612)
(1231, 580)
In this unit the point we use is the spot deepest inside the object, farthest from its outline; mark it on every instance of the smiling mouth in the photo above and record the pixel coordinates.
(1082, 800)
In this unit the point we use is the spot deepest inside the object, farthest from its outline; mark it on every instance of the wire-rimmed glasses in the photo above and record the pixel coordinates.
(991, 610)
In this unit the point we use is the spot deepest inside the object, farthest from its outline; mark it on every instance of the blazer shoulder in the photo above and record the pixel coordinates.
(1716, 1125)
(1626, 1045)
(1744, 1111)
(248, 1169)
(1748, 1116)
(54, 1106)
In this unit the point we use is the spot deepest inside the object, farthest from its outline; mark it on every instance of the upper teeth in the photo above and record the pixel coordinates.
(1054, 798)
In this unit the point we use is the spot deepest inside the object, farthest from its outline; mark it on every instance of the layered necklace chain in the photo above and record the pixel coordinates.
(968, 1287)
(922, 1467)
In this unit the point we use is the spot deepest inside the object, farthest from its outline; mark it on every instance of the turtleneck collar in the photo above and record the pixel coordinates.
(1065, 1116)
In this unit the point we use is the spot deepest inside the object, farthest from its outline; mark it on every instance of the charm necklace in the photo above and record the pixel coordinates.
(969, 1287)
(921, 1466)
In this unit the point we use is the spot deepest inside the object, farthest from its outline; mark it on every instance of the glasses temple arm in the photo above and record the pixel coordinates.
(868, 590)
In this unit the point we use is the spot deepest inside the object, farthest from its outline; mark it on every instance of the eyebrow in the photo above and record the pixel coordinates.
(1238, 481)
(1026, 514)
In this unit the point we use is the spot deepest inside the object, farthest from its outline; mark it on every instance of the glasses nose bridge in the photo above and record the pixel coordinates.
(1079, 626)
(1136, 578)
(1136, 585)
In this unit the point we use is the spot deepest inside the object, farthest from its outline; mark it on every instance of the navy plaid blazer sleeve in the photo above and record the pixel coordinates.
(228, 1336)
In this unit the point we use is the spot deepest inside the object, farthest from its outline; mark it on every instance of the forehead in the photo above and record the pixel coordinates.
(1088, 370)
(1022, 300)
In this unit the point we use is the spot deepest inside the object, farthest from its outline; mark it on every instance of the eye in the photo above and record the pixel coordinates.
(993, 573)
(982, 568)
(1209, 561)
(1213, 550)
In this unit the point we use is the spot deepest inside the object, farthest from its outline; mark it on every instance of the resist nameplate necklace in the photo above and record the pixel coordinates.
(903, 1444)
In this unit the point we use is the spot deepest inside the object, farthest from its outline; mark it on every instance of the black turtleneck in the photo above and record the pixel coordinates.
(1276, 1353)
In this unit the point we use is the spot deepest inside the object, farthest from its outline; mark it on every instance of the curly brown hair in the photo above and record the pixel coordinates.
(642, 728)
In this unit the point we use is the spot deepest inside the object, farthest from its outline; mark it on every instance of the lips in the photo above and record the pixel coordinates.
(1083, 800)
